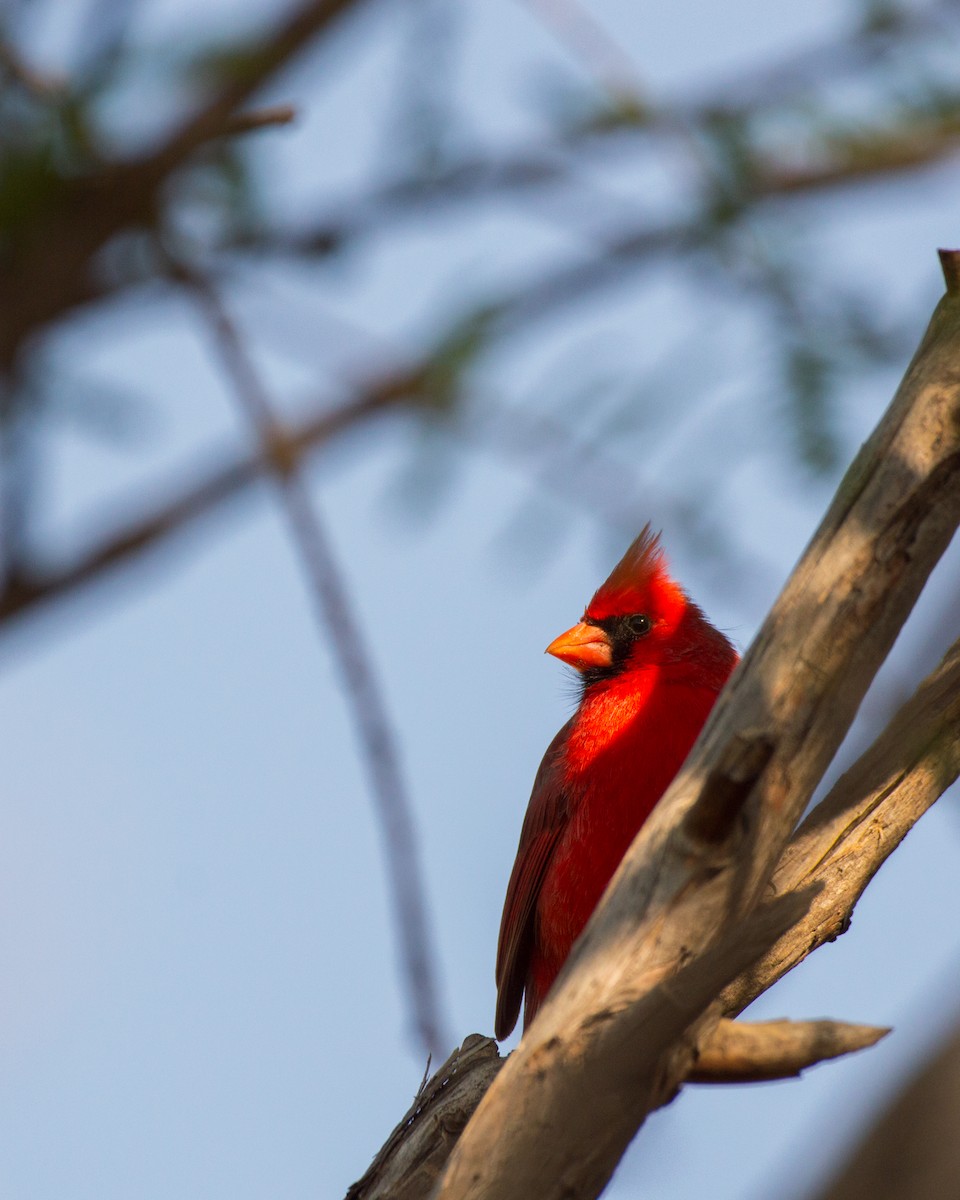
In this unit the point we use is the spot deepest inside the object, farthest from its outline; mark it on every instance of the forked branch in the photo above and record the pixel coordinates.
(638, 995)
(838, 849)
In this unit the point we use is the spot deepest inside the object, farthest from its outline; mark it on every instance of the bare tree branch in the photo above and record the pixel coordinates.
(838, 849)
(752, 1052)
(413, 1156)
(618, 1033)
(415, 1153)
(344, 636)
(857, 826)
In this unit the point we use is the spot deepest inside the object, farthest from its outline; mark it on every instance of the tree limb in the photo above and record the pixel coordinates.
(618, 1033)
(857, 826)
(413, 1156)
(840, 847)
(415, 1153)
(755, 1052)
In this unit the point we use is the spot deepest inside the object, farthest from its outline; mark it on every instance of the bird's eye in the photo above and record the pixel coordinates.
(639, 624)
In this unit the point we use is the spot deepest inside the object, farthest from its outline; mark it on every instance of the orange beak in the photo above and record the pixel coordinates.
(583, 646)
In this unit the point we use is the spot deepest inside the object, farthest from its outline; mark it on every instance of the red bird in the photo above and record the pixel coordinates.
(651, 666)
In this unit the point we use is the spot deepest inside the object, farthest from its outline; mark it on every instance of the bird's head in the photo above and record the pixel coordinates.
(632, 619)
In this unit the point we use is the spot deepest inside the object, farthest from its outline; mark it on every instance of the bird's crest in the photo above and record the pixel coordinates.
(635, 580)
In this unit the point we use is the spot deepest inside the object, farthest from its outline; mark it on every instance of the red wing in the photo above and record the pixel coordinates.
(546, 819)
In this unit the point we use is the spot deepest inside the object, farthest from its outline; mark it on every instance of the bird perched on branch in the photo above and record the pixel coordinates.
(651, 666)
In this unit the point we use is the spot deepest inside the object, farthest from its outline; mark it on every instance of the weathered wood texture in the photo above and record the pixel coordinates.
(412, 1158)
(679, 922)
(839, 847)
(867, 813)
(754, 1052)
(415, 1153)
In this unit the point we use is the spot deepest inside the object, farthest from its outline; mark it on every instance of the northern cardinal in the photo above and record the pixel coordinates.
(651, 666)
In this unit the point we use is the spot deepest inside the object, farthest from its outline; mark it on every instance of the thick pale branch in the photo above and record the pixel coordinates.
(839, 847)
(413, 1156)
(675, 898)
(867, 813)
(747, 1052)
(636, 1071)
